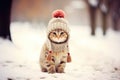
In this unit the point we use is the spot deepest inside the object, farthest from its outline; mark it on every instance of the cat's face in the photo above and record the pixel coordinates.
(58, 36)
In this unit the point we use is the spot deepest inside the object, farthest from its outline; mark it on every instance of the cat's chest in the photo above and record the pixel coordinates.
(59, 47)
(59, 56)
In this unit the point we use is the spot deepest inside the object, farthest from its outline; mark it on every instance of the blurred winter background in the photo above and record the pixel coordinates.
(94, 41)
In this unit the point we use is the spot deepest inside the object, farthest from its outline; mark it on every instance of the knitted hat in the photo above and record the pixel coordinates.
(58, 22)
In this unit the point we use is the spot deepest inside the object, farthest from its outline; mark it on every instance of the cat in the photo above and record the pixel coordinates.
(58, 37)
(55, 51)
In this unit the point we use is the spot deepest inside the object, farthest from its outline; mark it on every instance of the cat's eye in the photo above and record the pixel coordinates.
(54, 33)
(62, 33)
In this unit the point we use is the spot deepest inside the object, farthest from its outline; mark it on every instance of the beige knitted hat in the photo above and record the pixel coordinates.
(58, 22)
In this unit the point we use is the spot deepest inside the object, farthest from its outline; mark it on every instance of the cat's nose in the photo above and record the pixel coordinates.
(58, 37)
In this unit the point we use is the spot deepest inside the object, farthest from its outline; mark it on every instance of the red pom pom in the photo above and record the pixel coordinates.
(58, 14)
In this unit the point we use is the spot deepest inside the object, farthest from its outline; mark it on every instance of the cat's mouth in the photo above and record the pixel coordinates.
(58, 41)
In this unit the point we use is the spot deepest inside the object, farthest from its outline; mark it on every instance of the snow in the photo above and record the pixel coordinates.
(93, 2)
(103, 8)
(93, 58)
(77, 4)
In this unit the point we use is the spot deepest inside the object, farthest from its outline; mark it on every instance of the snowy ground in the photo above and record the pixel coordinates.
(93, 58)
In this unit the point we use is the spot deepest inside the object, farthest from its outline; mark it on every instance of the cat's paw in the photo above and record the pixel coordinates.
(44, 70)
(52, 70)
(60, 70)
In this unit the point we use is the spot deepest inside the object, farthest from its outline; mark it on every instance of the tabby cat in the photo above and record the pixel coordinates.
(55, 51)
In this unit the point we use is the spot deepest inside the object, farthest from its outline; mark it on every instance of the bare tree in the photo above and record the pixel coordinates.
(104, 7)
(5, 10)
